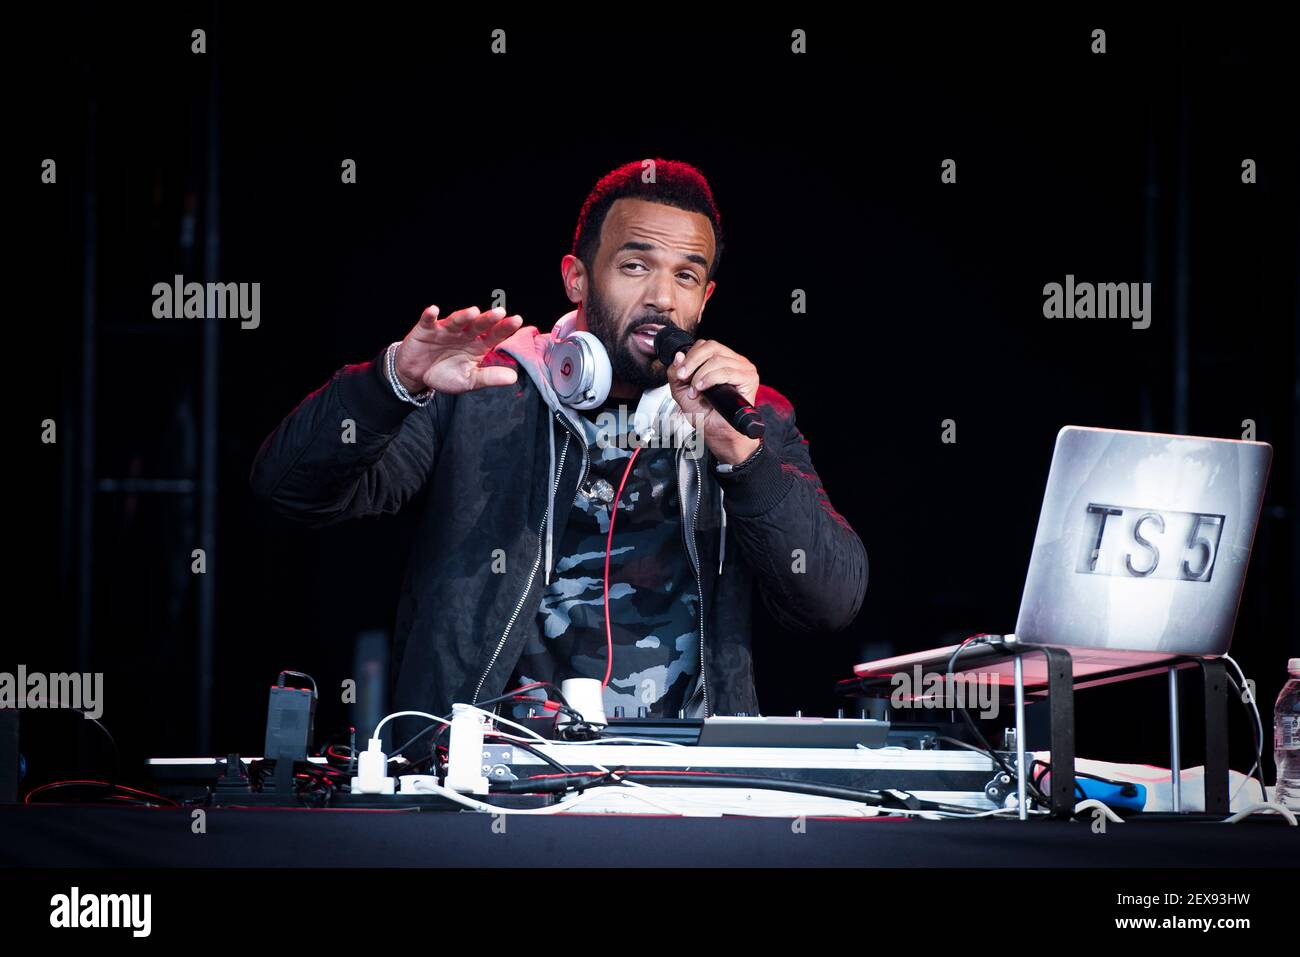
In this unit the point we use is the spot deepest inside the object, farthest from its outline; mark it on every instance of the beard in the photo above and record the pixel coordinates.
(630, 367)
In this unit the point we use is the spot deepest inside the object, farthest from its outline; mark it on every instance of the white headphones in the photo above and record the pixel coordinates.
(580, 370)
(581, 375)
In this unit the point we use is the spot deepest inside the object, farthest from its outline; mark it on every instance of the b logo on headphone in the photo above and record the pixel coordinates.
(580, 370)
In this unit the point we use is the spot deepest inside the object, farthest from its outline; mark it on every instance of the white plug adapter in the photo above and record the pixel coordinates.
(465, 751)
(372, 767)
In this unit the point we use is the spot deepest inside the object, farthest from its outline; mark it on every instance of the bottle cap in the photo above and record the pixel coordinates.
(1293, 666)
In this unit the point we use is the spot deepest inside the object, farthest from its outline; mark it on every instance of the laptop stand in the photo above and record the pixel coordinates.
(1059, 685)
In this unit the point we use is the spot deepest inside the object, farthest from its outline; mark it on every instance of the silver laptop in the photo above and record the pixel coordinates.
(1141, 552)
(1143, 541)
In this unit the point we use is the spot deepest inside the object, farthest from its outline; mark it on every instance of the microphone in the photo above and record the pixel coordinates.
(744, 418)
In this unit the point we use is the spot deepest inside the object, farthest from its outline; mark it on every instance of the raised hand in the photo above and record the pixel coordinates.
(446, 355)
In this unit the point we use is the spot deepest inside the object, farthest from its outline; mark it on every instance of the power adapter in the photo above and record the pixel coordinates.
(290, 717)
(372, 771)
(465, 751)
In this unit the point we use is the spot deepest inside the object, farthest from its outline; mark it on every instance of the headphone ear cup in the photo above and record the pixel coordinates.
(602, 370)
(580, 370)
(658, 415)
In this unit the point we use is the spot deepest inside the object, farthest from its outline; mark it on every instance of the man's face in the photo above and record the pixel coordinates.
(651, 270)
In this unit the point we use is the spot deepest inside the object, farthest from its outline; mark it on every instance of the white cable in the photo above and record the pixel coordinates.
(1249, 777)
(667, 800)
(537, 738)
(550, 743)
(677, 801)
(603, 740)
(1094, 803)
(1033, 811)
(427, 787)
(648, 795)
(1259, 725)
(668, 744)
(404, 714)
(599, 767)
(533, 735)
(957, 816)
(1262, 808)
(564, 805)
(771, 802)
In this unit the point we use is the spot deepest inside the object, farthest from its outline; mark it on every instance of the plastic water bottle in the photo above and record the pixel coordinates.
(1286, 739)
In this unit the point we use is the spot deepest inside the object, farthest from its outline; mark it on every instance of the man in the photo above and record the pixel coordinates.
(515, 577)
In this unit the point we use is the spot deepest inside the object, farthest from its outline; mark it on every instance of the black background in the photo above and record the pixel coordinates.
(925, 300)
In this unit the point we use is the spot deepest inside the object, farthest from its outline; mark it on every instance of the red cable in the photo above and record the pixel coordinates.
(121, 787)
(609, 539)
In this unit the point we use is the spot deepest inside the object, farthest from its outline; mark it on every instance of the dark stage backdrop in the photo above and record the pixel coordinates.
(925, 303)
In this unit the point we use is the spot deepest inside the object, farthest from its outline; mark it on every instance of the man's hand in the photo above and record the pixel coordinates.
(446, 355)
(711, 363)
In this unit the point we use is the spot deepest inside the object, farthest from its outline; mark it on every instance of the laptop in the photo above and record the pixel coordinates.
(1140, 556)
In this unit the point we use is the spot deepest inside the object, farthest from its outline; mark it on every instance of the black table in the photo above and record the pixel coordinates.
(92, 836)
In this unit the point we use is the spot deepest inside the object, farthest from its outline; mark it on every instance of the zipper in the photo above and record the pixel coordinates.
(537, 562)
(695, 566)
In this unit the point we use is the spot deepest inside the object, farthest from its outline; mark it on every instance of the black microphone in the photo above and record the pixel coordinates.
(744, 418)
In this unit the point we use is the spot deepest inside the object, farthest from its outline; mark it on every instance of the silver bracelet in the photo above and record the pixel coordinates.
(399, 390)
(725, 469)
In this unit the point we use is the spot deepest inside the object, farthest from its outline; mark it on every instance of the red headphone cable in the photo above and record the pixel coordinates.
(609, 539)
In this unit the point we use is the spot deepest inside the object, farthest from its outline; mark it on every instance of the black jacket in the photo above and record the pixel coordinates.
(477, 465)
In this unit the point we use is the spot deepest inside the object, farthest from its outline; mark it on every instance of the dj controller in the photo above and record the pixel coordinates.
(837, 759)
